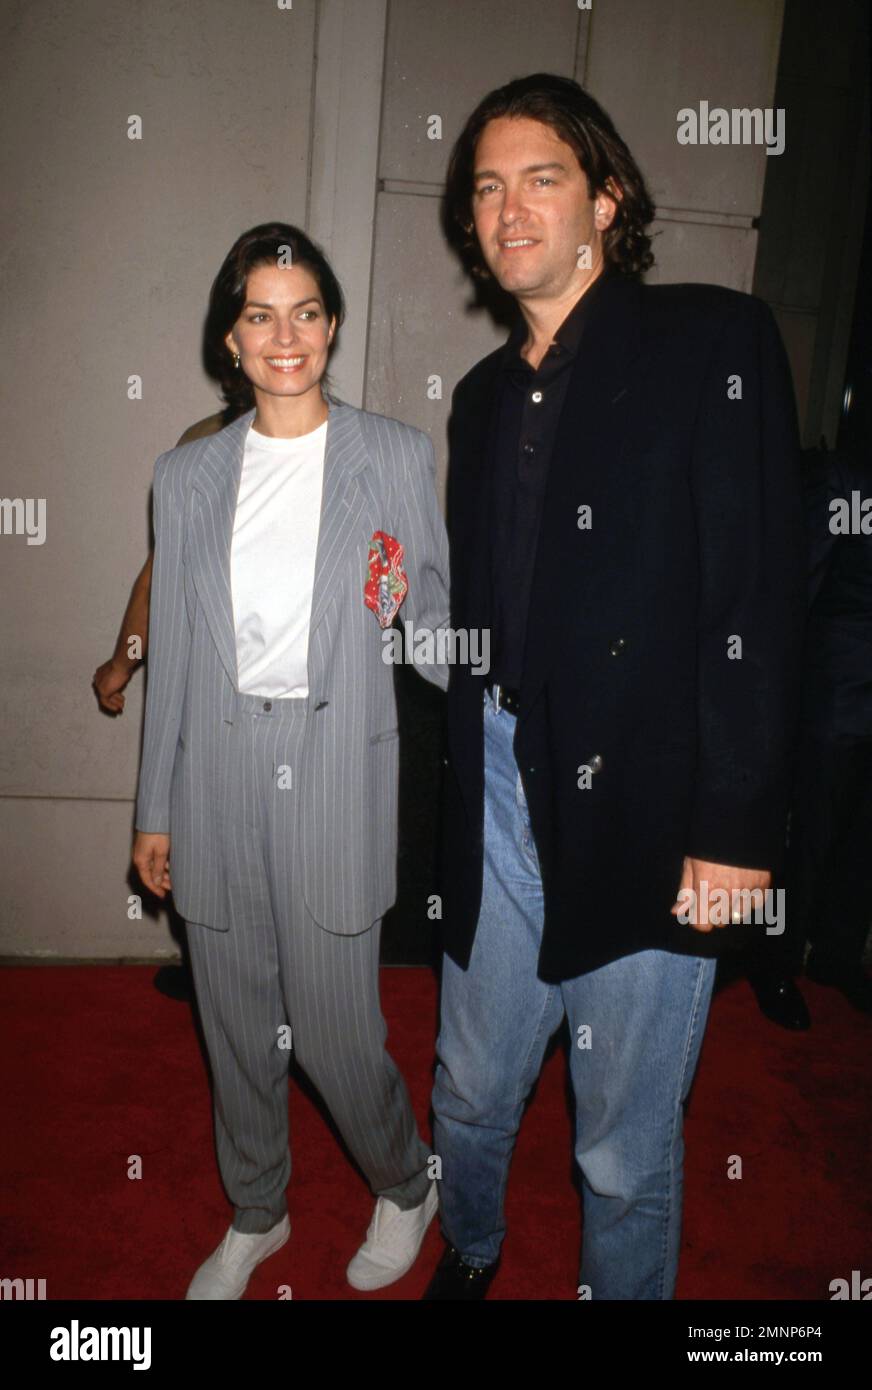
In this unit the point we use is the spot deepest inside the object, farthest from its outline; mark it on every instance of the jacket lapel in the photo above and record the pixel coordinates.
(473, 438)
(217, 481)
(343, 502)
(588, 442)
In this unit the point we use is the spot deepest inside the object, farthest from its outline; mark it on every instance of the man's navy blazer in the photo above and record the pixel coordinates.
(664, 637)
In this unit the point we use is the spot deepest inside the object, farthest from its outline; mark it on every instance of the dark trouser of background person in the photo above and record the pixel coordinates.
(176, 981)
(830, 860)
(828, 880)
(829, 864)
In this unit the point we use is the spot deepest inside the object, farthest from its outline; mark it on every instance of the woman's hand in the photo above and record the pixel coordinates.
(151, 855)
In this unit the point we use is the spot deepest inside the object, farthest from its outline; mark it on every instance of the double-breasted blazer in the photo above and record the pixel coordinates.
(665, 624)
(379, 475)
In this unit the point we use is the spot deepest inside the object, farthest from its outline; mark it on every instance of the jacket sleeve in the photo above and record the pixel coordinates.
(169, 640)
(426, 558)
(751, 546)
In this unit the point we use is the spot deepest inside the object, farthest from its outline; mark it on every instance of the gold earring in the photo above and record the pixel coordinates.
(236, 359)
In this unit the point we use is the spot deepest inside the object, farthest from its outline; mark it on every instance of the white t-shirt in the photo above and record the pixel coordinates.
(272, 560)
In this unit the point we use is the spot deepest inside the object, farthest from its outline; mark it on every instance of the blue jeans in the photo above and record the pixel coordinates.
(631, 1072)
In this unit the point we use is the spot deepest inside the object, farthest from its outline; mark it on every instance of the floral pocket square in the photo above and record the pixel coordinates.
(386, 583)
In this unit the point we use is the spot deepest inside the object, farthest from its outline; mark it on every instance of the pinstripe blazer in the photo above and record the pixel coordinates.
(379, 474)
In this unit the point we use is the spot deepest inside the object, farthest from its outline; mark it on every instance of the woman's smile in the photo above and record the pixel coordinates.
(285, 364)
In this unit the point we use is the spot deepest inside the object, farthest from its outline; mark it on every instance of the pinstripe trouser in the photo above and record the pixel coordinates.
(276, 967)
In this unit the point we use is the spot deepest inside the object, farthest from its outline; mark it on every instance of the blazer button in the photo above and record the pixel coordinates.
(595, 763)
(267, 704)
(617, 646)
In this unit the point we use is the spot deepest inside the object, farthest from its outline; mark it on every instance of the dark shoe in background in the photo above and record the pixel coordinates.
(457, 1281)
(852, 981)
(780, 1000)
(175, 982)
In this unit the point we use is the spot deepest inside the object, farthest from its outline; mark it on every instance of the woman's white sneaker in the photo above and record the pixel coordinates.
(228, 1269)
(392, 1242)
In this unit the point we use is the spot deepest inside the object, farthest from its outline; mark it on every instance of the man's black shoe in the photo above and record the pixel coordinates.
(780, 1000)
(853, 981)
(456, 1280)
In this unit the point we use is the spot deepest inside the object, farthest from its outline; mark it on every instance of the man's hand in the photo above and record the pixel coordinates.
(109, 681)
(110, 678)
(697, 872)
(151, 856)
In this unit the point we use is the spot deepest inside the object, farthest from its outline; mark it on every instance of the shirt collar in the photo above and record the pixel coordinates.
(567, 337)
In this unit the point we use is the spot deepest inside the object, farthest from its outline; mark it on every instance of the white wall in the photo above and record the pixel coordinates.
(110, 246)
(643, 62)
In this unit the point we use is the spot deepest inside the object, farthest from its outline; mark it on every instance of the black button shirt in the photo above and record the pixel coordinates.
(528, 414)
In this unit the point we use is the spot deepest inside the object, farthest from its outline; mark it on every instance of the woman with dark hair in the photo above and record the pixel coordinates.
(285, 545)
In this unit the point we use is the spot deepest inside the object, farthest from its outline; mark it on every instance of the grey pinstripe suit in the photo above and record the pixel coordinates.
(287, 882)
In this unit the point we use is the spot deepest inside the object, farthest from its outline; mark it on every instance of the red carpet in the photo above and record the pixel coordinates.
(97, 1066)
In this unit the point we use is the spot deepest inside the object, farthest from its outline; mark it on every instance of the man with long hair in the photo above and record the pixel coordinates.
(625, 517)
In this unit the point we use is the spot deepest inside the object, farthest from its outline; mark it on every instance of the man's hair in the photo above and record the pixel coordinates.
(259, 246)
(577, 119)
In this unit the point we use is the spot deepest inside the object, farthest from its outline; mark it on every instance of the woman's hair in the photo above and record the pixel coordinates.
(261, 245)
(563, 105)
